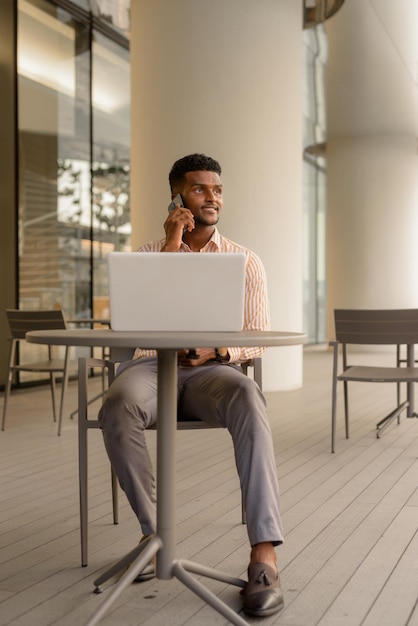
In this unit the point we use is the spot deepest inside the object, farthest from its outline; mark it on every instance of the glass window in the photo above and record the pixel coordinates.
(74, 136)
(54, 155)
(110, 167)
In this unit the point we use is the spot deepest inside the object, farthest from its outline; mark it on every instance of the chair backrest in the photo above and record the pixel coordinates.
(376, 326)
(21, 322)
(118, 355)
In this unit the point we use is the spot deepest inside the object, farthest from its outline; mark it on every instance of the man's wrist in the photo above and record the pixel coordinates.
(222, 355)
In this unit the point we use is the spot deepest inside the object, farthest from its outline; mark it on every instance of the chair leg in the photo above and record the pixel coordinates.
(398, 386)
(53, 394)
(6, 398)
(115, 496)
(243, 510)
(9, 381)
(82, 456)
(347, 434)
(334, 397)
(84, 424)
(333, 416)
(63, 389)
(258, 376)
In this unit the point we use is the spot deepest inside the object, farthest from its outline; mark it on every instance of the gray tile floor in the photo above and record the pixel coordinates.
(351, 550)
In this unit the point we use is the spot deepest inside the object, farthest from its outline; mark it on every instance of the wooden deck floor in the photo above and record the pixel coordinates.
(351, 551)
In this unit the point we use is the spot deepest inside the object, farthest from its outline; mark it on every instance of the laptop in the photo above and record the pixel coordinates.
(175, 291)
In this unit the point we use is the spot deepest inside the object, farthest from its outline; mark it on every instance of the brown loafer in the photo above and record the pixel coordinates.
(262, 594)
(146, 574)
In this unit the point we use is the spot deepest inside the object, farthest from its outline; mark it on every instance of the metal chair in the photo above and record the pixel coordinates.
(118, 355)
(374, 327)
(20, 322)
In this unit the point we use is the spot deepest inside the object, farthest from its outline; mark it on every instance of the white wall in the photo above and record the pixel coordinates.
(372, 156)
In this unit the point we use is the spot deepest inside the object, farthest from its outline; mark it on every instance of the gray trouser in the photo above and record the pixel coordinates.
(213, 393)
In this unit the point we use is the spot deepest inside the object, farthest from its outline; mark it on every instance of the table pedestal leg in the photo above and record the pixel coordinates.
(164, 542)
(181, 571)
(137, 559)
(166, 460)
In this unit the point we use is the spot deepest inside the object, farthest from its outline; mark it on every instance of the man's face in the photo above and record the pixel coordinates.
(202, 195)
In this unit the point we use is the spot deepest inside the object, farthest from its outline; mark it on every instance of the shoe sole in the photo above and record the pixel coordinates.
(141, 578)
(264, 612)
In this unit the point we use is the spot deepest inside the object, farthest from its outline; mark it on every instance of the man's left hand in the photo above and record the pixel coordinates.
(202, 354)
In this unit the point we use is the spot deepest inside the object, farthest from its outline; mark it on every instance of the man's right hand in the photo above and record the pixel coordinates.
(177, 222)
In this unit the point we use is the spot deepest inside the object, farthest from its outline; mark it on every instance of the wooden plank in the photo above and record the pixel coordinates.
(350, 547)
(383, 588)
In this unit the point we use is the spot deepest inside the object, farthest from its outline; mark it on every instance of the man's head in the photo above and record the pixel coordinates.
(197, 178)
(191, 163)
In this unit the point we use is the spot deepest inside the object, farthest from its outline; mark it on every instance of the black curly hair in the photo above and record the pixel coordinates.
(192, 163)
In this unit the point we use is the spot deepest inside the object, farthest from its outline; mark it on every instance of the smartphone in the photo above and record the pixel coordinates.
(177, 200)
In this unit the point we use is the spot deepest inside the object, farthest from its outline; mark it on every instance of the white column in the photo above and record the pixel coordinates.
(224, 78)
(372, 157)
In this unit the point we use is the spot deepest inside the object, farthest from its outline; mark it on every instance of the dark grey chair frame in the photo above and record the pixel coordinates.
(21, 322)
(373, 327)
(118, 355)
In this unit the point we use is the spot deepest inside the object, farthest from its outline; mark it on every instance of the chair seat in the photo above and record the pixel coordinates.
(21, 322)
(190, 424)
(368, 373)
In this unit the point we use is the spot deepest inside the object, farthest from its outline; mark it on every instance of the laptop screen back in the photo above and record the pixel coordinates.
(172, 291)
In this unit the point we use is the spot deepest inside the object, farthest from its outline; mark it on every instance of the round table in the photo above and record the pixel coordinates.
(166, 343)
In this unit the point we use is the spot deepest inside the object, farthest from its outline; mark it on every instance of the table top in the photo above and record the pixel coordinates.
(168, 340)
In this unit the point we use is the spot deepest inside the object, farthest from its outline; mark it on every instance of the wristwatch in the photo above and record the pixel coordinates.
(221, 354)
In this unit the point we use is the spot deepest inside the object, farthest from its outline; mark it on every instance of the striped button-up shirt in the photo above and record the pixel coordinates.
(256, 309)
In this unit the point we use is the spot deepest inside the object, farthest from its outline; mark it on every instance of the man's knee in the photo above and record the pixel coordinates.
(248, 393)
(119, 410)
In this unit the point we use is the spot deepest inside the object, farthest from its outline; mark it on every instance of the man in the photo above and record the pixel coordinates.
(211, 387)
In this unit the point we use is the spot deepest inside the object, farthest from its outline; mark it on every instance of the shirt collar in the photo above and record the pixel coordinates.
(214, 243)
(216, 238)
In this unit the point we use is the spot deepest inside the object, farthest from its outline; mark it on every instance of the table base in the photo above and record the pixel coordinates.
(138, 558)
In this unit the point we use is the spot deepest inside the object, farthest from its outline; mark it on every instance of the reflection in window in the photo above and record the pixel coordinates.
(74, 134)
(111, 160)
(54, 128)
(111, 202)
(114, 12)
(74, 167)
